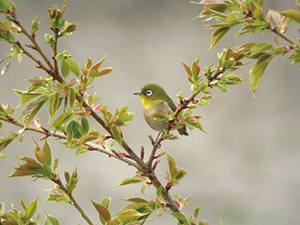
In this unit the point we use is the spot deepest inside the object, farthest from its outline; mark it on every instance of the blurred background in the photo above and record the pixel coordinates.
(245, 171)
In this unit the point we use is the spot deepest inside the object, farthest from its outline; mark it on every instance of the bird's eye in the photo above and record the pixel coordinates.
(149, 92)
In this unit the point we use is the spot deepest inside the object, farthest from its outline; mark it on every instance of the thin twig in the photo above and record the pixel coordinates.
(294, 44)
(91, 146)
(74, 202)
(36, 45)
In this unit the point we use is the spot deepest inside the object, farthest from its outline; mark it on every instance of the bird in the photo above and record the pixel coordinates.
(155, 101)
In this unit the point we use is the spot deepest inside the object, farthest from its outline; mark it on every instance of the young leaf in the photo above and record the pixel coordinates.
(73, 66)
(180, 217)
(130, 180)
(62, 119)
(218, 34)
(292, 14)
(65, 70)
(117, 134)
(50, 220)
(258, 70)
(102, 210)
(196, 212)
(31, 208)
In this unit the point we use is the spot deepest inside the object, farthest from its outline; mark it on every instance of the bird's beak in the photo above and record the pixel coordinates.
(137, 93)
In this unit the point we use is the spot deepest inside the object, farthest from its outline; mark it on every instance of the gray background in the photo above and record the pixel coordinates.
(246, 170)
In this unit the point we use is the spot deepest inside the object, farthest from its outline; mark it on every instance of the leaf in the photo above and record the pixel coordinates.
(47, 151)
(73, 66)
(258, 70)
(50, 220)
(180, 217)
(117, 134)
(292, 14)
(62, 119)
(3, 6)
(103, 72)
(130, 180)
(218, 34)
(136, 200)
(31, 209)
(32, 109)
(171, 163)
(71, 97)
(159, 190)
(65, 70)
(130, 216)
(97, 65)
(102, 210)
(187, 68)
(196, 212)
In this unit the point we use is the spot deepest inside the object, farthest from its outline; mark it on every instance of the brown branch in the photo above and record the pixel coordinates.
(90, 146)
(55, 50)
(41, 65)
(36, 45)
(276, 31)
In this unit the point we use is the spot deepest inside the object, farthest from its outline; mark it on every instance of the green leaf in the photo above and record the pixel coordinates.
(30, 210)
(35, 25)
(292, 14)
(84, 128)
(25, 96)
(71, 97)
(159, 190)
(62, 119)
(73, 66)
(32, 109)
(117, 134)
(136, 200)
(50, 220)
(258, 70)
(65, 70)
(130, 180)
(180, 217)
(171, 163)
(4, 6)
(196, 212)
(102, 210)
(6, 140)
(130, 216)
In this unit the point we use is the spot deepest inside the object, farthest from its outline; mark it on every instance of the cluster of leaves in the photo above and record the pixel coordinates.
(25, 217)
(249, 14)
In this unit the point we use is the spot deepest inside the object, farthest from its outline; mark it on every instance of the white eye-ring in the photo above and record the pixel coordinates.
(149, 92)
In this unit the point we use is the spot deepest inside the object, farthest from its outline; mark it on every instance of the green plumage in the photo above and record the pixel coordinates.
(155, 99)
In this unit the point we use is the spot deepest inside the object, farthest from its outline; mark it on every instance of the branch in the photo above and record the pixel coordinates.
(90, 146)
(73, 201)
(36, 45)
(41, 65)
(294, 44)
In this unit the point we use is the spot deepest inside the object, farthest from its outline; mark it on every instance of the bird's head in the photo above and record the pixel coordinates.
(151, 93)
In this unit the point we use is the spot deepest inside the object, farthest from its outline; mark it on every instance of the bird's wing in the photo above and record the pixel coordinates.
(171, 104)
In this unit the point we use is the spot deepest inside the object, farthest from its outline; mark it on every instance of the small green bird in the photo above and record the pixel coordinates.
(155, 100)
